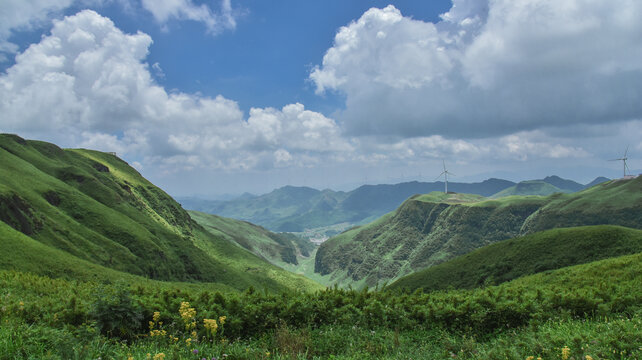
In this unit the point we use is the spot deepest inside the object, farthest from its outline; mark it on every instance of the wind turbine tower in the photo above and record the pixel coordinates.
(445, 173)
(623, 159)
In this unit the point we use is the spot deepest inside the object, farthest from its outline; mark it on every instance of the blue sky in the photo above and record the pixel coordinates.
(214, 97)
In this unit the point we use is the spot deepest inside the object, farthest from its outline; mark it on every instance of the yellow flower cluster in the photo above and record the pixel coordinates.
(533, 358)
(566, 351)
(152, 324)
(157, 333)
(211, 325)
(159, 356)
(222, 319)
(188, 314)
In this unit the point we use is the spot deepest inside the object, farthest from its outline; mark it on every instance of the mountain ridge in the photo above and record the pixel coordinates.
(294, 209)
(428, 229)
(95, 207)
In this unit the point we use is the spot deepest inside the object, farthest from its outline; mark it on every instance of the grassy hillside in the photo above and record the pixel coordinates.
(279, 249)
(517, 257)
(426, 230)
(95, 207)
(430, 229)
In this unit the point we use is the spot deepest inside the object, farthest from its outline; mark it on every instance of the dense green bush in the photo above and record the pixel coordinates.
(115, 313)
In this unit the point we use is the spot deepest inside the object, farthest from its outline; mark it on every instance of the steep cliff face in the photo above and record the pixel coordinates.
(429, 229)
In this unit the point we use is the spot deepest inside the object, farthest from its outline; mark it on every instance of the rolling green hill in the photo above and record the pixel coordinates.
(96, 208)
(530, 187)
(279, 249)
(522, 256)
(430, 229)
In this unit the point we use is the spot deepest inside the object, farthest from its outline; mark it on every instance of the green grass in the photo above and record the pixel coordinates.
(517, 257)
(94, 207)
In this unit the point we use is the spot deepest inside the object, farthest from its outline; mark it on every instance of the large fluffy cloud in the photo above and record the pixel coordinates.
(87, 84)
(488, 68)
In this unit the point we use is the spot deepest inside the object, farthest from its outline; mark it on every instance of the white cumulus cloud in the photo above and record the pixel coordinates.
(87, 84)
(489, 68)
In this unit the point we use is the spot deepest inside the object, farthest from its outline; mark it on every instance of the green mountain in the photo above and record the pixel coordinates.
(279, 249)
(527, 255)
(429, 229)
(95, 208)
(530, 187)
(294, 209)
(564, 184)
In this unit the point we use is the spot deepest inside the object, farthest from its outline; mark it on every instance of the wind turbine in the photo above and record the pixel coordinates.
(623, 159)
(445, 173)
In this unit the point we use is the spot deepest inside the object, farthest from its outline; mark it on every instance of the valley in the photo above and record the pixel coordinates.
(96, 261)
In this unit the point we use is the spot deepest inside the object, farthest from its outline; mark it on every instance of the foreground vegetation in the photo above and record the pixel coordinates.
(587, 310)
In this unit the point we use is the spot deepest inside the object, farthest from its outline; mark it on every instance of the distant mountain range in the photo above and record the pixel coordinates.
(294, 209)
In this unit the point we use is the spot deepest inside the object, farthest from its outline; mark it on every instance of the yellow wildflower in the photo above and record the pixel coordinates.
(159, 356)
(187, 314)
(222, 319)
(210, 325)
(530, 358)
(589, 357)
(156, 316)
(188, 341)
(566, 351)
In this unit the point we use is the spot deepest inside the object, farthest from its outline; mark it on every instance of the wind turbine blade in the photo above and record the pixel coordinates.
(437, 178)
(626, 151)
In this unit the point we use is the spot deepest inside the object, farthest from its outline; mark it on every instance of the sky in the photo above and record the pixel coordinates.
(217, 97)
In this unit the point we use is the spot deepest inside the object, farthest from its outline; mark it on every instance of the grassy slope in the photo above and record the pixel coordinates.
(20, 252)
(517, 257)
(429, 229)
(93, 206)
(280, 249)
